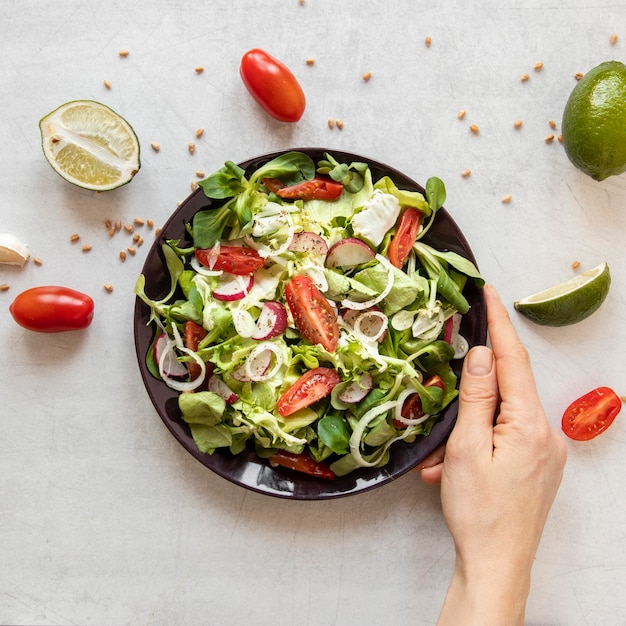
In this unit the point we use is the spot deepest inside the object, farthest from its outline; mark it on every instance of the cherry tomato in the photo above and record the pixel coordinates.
(405, 236)
(312, 386)
(591, 414)
(412, 407)
(52, 309)
(314, 189)
(314, 316)
(272, 85)
(301, 463)
(232, 259)
(194, 334)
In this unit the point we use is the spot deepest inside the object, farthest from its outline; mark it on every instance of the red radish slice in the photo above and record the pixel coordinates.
(255, 368)
(357, 390)
(348, 253)
(218, 386)
(272, 322)
(232, 287)
(170, 366)
(308, 242)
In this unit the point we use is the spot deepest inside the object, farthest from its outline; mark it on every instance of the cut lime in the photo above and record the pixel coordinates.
(568, 302)
(90, 145)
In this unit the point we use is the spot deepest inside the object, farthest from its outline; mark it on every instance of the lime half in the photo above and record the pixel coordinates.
(568, 302)
(90, 145)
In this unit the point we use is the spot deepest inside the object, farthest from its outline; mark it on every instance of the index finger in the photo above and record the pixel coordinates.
(515, 375)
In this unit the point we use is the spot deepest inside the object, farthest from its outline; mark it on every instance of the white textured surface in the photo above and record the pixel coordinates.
(104, 518)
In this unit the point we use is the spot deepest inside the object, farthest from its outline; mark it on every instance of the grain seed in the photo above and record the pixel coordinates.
(575, 265)
(199, 132)
(131, 250)
(366, 76)
(155, 146)
(107, 84)
(428, 41)
(149, 223)
(199, 70)
(559, 138)
(466, 173)
(310, 61)
(123, 53)
(524, 77)
(108, 287)
(552, 124)
(111, 232)
(157, 232)
(86, 248)
(4, 287)
(517, 124)
(474, 129)
(191, 147)
(461, 114)
(339, 124)
(331, 123)
(37, 261)
(139, 221)
(506, 199)
(193, 185)
(538, 66)
(549, 138)
(74, 238)
(122, 255)
(129, 228)
(118, 224)
(578, 75)
(200, 174)
(613, 39)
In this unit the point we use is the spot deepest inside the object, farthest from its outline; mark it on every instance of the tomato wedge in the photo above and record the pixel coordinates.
(272, 84)
(231, 259)
(405, 237)
(591, 414)
(412, 407)
(301, 463)
(193, 335)
(312, 386)
(314, 316)
(314, 189)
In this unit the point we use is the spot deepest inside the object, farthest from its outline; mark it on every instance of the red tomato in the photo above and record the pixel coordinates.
(315, 189)
(52, 309)
(232, 259)
(301, 463)
(312, 386)
(314, 316)
(272, 85)
(412, 407)
(194, 334)
(591, 414)
(405, 236)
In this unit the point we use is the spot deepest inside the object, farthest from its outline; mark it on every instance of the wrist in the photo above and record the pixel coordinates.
(486, 595)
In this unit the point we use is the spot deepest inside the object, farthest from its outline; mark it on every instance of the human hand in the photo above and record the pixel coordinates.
(497, 482)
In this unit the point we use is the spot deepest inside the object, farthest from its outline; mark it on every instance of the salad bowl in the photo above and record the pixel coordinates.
(246, 469)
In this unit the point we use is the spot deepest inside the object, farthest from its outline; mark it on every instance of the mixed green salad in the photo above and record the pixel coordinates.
(307, 318)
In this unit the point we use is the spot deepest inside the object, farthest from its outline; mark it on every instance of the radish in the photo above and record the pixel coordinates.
(232, 287)
(219, 387)
(170, 365)
(348, 253)
(357, 389)
(254, 368)
(309, 242)
(271, 322)
(372, 324)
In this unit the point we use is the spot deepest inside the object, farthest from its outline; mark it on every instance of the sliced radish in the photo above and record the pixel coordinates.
(166, 357)
(357, 389)
(243, 322)
(232, 287)
(309, 242)
(272, 321)
(262, 363)
(454, 338)
(348, 253)
(218, 386)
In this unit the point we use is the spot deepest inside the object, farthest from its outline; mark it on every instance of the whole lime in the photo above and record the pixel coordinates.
(594, 122)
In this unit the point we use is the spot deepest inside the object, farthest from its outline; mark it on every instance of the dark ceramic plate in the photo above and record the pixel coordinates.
(246, 469)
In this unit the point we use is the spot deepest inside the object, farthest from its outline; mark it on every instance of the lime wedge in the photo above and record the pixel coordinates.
(90, 145)
(569, 302)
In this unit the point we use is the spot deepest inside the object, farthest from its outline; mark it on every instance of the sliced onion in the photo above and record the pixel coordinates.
(202, 269)
(428, 324)
(173, 382)
(369, 319)
(262, 350)
(360, 306)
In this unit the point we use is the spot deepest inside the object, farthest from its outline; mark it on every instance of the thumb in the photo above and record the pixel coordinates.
(478, 399)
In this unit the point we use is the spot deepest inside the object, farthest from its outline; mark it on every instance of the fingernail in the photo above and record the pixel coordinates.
(479, 361)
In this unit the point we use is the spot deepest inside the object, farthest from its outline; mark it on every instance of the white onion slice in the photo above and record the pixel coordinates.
(361, 306)
(398, 410)
(202, 269)
(261, 350)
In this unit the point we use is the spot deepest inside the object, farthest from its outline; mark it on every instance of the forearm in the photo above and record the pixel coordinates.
(487, 598)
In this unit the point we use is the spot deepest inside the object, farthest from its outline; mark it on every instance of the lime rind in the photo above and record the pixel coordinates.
(90, 145)
(569, 302)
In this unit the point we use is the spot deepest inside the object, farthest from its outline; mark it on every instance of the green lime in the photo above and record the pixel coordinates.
(90, 145)
(594, 122)
(569, 302)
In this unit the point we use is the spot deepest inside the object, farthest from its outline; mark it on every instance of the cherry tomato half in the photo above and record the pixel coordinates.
(314, 189)
(232, 259)
(312, 386)
(314, 316)
(405, 236)
(301, 463)
(412, 407)
(194, 334)
(272, 85)
(52, 309)
(591, 414)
